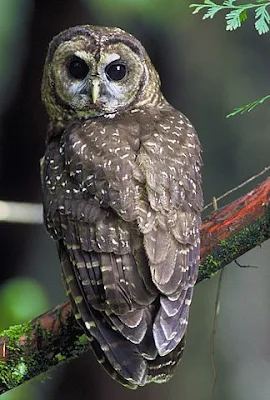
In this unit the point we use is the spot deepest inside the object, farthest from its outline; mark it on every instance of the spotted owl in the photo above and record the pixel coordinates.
(122, 199)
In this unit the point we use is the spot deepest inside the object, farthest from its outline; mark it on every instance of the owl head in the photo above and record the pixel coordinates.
(95, 71)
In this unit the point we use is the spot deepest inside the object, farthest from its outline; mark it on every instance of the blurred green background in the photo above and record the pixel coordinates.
(205, 72)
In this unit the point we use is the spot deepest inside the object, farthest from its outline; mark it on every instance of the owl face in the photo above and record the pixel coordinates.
(92, 71)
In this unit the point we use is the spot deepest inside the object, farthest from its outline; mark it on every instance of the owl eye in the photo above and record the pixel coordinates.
(78, 68)
(116, 71)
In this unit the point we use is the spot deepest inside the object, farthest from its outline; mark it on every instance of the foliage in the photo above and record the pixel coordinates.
(236, 14)
(21, 299)
(248, 107)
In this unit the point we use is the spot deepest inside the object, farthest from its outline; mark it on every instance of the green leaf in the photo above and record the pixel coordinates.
(233, 20)
(243, 16)
(248, 107)
(236, 13)
(197, 8)
(211, 12)
(262, 20)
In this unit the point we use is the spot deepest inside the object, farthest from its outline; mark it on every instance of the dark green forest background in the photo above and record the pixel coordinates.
(206, 72)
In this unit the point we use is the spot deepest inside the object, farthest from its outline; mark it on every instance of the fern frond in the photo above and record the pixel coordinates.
(248, 107)
(236, 14)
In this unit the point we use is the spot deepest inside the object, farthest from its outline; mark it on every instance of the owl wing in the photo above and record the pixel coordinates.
(88, 209)
(169, 217)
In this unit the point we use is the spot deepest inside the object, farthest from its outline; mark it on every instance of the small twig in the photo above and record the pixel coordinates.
(214, 203)
(216, 199)
(244, 266)
(213, 333)
(31, 213)
(21, 213)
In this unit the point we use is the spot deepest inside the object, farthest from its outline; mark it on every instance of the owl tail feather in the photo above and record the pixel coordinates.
(162, 369)
(120, 358)
(126, 362)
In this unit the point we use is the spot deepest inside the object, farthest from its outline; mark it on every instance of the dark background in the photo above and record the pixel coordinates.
(205, 72)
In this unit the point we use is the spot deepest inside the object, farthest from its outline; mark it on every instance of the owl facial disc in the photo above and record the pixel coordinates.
(94, 71)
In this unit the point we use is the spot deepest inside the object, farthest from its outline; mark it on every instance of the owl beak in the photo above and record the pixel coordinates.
(95, 91)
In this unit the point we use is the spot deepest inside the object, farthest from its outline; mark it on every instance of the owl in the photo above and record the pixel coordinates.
(122, 199)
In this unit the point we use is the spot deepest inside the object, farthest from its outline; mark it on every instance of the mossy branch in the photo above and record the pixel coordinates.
(29, 349)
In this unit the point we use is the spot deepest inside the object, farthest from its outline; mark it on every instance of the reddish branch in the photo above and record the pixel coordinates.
(235, 229)
(54, 336)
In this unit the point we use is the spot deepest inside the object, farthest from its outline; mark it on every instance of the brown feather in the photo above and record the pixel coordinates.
(122, 196)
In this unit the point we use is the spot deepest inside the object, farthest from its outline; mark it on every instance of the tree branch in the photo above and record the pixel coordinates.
(33, 348)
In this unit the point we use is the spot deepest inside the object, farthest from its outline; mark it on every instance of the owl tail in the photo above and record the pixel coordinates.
(130, 364)
(162, 369)
(171, 321)
(120, 358)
